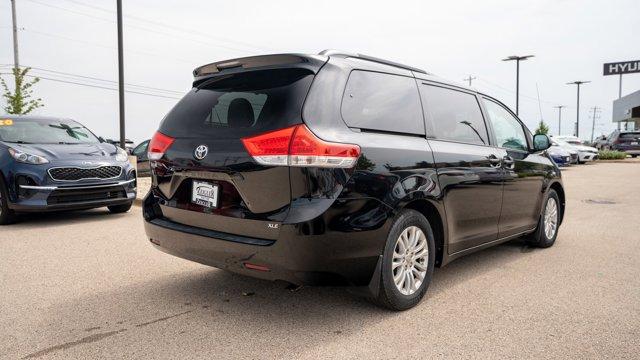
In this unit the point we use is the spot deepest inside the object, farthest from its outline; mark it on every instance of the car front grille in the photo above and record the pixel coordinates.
(77, 173)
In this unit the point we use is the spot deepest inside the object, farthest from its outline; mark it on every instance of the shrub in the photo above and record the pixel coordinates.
(611, 155)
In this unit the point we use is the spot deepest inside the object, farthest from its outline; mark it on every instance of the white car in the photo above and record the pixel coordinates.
(573, 152)
(585, 153)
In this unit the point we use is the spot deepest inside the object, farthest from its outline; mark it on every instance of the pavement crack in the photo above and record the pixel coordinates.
(67, 345)
(163, 319)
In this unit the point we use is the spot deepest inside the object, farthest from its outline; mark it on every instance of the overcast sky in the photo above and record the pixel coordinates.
(166, 40)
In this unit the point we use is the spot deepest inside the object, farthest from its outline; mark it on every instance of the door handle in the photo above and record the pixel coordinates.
(494, 160)
(508, 162)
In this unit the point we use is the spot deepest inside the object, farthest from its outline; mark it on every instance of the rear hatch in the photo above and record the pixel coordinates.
(629, 141)
(203, 172)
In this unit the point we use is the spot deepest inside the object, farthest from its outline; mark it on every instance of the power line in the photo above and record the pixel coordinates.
(100, 79)
(170, 26)
(134, 51)
(244, 51)
(98, 86)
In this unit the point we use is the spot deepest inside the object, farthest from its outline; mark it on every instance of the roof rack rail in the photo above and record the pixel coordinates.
(330, 52)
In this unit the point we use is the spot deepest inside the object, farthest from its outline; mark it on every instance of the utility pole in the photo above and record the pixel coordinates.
(120, 75)
(578, 83)
(517, 60)
(559, 107)
(16, 60)
(470, 79)
(596, 111)
(619, 95)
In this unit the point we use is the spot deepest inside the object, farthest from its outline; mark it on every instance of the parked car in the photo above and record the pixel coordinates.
(625, 141)
(344, 169)
(559, 155)
(140, 152)
(585, 153)
(58, 164)
(573, 152)
(128, 144)
(600, 142)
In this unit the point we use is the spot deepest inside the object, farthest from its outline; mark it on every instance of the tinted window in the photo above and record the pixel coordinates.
(382, 102)
(141, 150)
(509, 132)
(629, 135)
(234, 106)
(44, 131)
(454, 115)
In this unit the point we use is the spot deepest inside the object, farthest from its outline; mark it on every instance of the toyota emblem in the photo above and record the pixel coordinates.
(201, 152)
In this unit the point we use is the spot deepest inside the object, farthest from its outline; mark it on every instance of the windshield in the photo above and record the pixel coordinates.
(37, 131)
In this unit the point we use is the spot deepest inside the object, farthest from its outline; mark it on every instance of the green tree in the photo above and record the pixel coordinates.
(20, 101)
(542, 128)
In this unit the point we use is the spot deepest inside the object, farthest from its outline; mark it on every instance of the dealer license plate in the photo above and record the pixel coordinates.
(205, 194)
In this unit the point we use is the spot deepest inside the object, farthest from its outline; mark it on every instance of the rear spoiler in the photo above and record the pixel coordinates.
(311, 62)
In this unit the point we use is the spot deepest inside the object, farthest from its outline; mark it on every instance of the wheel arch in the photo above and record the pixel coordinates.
(559, 189)
(436, 220)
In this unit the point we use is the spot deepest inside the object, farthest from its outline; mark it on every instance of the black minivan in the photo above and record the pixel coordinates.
(341, 168)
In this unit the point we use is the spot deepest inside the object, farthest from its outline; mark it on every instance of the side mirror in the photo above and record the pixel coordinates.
(541, 142)
(101, 139)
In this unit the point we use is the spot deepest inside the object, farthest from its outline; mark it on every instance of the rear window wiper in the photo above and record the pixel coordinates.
(18, 142)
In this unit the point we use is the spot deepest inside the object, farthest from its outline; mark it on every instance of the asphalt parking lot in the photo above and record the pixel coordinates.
(88, 285)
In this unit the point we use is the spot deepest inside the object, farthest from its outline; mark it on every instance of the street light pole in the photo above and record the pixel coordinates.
(559, 107)
(120, 75)
(578, 83)
(517, 60)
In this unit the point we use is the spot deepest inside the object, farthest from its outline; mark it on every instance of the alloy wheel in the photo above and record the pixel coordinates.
(410, 260)
(550, 218)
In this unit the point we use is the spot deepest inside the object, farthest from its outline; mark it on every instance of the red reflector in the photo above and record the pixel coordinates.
(158, 145)
(251, 266)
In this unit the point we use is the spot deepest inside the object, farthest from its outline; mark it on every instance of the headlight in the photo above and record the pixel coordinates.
(121, 155)
(27, 158)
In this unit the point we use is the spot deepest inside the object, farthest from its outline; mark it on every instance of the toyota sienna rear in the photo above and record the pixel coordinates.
(326, 169)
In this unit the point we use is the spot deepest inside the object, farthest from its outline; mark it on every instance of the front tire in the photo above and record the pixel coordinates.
(407, 262)
(118, 209)
(7, 216)
(547, 230)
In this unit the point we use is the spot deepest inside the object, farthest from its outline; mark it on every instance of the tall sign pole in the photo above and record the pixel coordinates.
(619, 68)
(120, 75)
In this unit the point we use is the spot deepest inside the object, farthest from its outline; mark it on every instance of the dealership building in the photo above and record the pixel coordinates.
(626, 111)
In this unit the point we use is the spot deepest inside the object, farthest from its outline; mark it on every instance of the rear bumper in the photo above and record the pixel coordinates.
(329, 259)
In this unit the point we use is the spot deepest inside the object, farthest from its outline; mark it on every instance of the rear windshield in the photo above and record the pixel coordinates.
(633, 135)
(43, 131)
(238, 105)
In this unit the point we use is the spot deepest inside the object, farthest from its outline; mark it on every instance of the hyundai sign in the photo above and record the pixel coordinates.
(619, 68)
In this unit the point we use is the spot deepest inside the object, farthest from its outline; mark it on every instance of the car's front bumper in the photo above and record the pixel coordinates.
(587, 156)
(36, 198)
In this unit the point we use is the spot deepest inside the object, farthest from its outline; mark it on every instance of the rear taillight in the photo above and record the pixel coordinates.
(158, 145)
(298, 146)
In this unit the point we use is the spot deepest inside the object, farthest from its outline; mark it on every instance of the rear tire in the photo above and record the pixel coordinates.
(549, 223)
(7, 216)
(406, 269)
(118, 209)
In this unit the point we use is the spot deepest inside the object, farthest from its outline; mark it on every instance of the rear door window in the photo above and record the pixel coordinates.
(242, 104)
(454, 115)
(383, 102)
